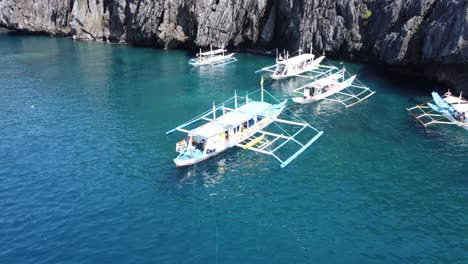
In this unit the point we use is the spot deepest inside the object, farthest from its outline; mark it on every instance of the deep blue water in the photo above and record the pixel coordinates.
(86, 172)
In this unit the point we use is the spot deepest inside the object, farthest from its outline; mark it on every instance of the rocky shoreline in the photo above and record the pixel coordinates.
(420, 37)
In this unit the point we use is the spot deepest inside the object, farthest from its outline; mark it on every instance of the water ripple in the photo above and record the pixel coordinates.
(86, 172)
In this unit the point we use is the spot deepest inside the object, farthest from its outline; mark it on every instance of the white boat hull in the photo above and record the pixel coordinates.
(186, 160)
(303, 100)
(213, 60)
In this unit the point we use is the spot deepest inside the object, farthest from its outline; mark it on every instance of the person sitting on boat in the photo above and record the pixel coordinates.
(448, 93)
(201, 145)
(462, 117)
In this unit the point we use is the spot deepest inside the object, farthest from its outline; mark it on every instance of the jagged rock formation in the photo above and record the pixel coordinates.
(432, 34)
(430, 37)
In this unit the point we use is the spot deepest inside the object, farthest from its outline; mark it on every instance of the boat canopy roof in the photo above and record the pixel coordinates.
(211, 52)
(326, 81)
(231, 119)
(461, 107)
(460, 104)
(298, 59)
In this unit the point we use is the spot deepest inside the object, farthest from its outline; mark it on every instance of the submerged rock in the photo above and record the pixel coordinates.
(424, 33)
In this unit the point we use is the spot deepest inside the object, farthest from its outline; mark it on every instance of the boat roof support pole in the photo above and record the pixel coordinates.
(214, 112)
(235, 99)
(261, 83)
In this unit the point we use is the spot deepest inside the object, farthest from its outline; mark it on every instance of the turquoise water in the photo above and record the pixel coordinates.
(86, 172)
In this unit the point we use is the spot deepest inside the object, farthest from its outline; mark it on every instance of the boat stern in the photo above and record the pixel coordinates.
(189, 156)
(302, 100)
(184, 160)
(276, 76)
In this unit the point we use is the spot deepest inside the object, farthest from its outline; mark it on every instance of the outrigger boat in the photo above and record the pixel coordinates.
(213, 58)
(330, 83)
(245, 125)
(447, 110)
(289, 67)
(327, 81)
(322, 88)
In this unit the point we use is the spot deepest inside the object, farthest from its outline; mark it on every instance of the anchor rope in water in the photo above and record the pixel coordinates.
(195, 169)
(216, 228)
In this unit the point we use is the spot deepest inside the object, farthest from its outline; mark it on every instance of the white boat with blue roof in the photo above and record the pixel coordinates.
(243, 125)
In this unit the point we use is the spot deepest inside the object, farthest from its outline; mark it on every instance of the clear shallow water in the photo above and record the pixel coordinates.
(86, 172)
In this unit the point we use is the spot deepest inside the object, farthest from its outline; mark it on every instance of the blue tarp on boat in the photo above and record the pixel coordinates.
(442, 106)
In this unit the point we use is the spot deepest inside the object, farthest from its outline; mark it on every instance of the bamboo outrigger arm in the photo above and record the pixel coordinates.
(265, 144)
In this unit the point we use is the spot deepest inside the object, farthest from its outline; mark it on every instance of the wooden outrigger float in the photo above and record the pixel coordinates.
(446, 110)
(213, 58)
(250, 125)
(289, 67)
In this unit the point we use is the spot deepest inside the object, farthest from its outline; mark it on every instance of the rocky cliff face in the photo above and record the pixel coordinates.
(428, 35)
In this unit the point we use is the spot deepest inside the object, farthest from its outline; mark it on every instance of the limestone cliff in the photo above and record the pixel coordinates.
(429, 36)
